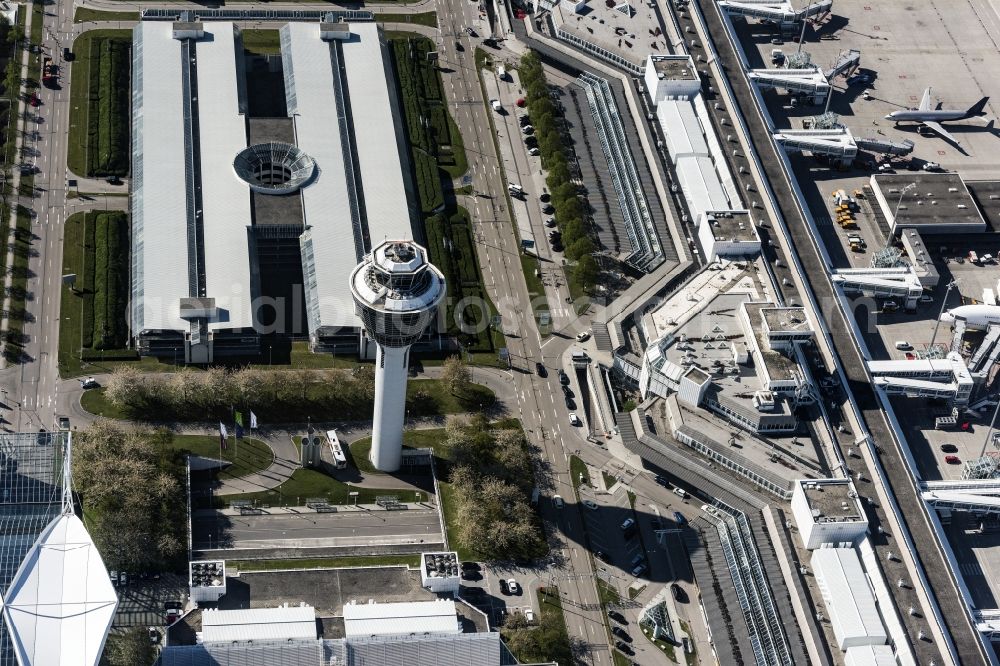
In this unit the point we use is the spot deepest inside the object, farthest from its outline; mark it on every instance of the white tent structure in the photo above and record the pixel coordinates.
(60, 604)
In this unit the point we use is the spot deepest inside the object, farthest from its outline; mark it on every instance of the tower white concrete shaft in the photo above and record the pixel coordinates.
(397, 291)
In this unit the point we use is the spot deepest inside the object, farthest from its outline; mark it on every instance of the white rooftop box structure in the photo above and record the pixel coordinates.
(207, 581)
(847, 593)
(408, 617)
(870, 655)
(828, 511)
(671, 76)
(259, 624)
(439, 572)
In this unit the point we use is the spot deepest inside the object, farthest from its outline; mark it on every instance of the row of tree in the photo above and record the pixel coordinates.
(571, 213)
(492, 474)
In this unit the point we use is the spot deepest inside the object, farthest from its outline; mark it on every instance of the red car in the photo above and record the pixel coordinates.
(34, 100)
(520, 102)
(910, 356)
(952, 460)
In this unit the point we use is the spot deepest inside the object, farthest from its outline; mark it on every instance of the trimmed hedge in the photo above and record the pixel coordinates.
(107, 117)
(110, 280)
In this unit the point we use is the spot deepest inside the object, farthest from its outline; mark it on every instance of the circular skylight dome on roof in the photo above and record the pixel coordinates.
(274, 168)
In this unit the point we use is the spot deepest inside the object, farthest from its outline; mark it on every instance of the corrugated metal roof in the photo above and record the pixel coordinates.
(479, 649)
(681, 128)
(375, 135)
(258, 624)
(414, 617)
(325, 201)
(848, 596)
(225, 197)
(701, 185)
(869, 655)
(158, 202)
(60, 605)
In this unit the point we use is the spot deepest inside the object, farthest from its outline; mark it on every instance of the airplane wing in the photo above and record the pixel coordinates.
(940, 131)
(925, 102)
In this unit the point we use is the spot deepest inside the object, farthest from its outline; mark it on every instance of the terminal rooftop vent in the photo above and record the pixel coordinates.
(274, 168)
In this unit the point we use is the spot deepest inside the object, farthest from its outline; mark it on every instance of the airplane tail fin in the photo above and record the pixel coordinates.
(977, 109)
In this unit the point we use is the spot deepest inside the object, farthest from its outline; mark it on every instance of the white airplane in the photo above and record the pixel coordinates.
(975, 316)
(932, 118)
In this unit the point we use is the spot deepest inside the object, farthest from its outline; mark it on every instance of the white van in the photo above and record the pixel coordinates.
(903, 345)
(680, 492)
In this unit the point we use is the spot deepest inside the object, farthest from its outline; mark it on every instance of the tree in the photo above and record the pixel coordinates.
(131, 648)
(456, 375)
(580, 248)
(586, 272)
(131, 487)
(125, 387)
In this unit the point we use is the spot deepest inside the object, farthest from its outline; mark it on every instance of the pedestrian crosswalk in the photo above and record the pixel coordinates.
(971, 569)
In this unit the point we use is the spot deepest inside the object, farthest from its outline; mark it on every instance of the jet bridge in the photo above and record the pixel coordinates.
(808, 81)
(946, 378)
(778, 12)
(884, 146)
(846, 64)
(980, 496)
(988, 352)
(899, 282)
(836, 143)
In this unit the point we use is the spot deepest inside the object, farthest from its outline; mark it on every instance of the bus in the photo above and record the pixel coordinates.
(339, 459)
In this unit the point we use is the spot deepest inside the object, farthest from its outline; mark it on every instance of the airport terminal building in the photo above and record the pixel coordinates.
(255, 192)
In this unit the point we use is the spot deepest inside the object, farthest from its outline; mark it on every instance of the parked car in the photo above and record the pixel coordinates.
(622, 646)
(504, 587)
(567, 391)
(557, 500)
(949, 448)
(679, 518)
(662, 481)
(534, 152)
(617, 617)
(591, 504)
(622, 634)
(570, 405)
(602, 556)
(513, 586)
(540, 370)
(528, 129)
(677, 592)
(583, 336)
(550, 222)
(474, 566)
(471, 574)
(544, 197)
(563, 377)
(952, 460)
(574, 420)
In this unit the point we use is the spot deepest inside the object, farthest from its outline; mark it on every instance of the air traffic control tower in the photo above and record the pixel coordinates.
(397, 291)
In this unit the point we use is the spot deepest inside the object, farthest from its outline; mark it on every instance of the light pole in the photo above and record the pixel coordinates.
(989, 433)
(895, 212)
(944, 303)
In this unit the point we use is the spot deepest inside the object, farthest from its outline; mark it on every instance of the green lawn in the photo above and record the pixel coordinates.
(578, 468)
(86, 109)
(411, 561)
(431, 438)
(262, 42)
(428, 19)
(83, 14)
(609, 480)
(313, 483)
(607, 593)
(248, 457)
(581, 299)
(450, 509)
(425, 397)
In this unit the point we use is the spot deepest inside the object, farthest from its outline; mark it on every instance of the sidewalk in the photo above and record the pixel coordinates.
(16, 175)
